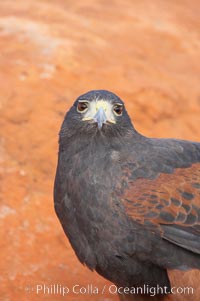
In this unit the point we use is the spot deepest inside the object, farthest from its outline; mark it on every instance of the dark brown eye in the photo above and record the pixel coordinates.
(118, 109)
(82, 107)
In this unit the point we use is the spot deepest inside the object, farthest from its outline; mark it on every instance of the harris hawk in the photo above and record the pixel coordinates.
(129, 205)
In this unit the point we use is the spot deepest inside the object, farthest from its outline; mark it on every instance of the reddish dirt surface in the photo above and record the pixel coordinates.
(52, 51)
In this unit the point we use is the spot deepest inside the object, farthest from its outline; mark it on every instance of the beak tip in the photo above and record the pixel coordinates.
(100, 126)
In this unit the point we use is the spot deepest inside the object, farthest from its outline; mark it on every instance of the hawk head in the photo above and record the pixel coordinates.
(98, 111)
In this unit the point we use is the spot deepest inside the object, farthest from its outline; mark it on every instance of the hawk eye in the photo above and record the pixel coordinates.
(118, 109)
(82, 106)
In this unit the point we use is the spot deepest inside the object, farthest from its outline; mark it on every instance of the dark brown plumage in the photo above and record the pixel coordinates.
(130, 205)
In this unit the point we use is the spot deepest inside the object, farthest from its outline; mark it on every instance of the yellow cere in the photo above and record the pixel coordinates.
(102, 104)
(86, 118)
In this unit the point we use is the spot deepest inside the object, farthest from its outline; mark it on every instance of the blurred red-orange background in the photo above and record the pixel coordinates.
(148, 52)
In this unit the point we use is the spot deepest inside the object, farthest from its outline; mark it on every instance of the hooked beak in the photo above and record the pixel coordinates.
(99, 112)
(100, 117)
